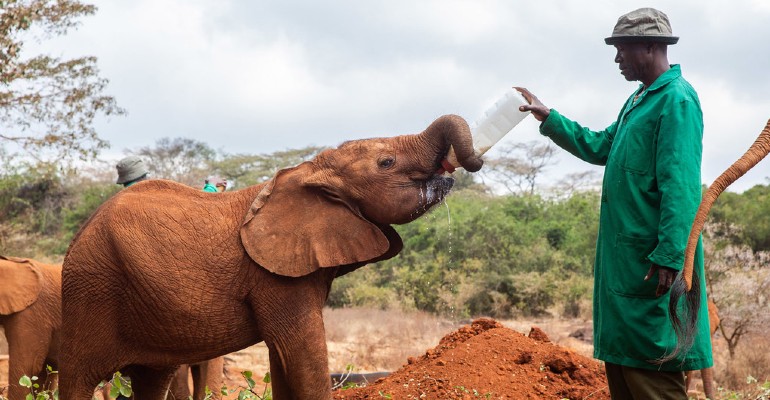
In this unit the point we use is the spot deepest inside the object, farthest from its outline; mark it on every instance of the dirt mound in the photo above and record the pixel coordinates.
(487, 360)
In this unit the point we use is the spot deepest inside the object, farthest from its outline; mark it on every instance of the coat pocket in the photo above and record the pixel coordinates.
(626, 275)
(639, 149)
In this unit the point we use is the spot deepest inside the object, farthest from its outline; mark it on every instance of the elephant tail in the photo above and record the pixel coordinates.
(685, 318)
(758, 150)
(687, 283)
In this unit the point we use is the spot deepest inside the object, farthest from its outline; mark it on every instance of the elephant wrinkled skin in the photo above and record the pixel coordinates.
(30, 313)
(163, 274)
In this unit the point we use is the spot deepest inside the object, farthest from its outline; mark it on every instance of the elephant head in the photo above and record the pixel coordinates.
(336, 209)
(21, 284)
(683, 285)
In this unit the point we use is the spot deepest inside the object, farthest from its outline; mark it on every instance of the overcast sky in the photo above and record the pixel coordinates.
(261, 76)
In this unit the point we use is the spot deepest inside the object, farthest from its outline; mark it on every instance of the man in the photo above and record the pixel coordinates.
(215, 184)
(650, 194)
(131, 170)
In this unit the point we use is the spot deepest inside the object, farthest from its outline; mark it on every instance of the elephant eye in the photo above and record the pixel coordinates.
(386, 162)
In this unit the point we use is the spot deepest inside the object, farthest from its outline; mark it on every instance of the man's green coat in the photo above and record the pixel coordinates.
(650, 194)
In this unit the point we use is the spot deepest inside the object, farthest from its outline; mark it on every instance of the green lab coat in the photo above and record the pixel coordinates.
(650, 194)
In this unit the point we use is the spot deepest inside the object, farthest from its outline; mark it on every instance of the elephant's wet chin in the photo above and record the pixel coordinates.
(437, 188)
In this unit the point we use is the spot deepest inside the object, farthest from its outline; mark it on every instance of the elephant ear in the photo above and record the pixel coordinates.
(294, 227)
(21, 284)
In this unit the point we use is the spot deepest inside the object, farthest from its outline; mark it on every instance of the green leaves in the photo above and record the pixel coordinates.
(248, 392)
(26, 381)
(121, 386)
(36, 390)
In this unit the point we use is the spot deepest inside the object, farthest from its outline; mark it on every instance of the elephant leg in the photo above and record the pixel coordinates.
(150, 383)
(180, 384)
(208, 374)
(688, 381)
(707, 374)
(77, 385)
(28, 360)
(299, 367)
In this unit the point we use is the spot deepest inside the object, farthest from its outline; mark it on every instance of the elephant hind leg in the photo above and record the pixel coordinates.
(208, 374)
(180, 384)
(150, 383)
(76, 386)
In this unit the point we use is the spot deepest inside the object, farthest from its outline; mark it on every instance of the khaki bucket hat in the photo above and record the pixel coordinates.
(642, 25)
(130, 169)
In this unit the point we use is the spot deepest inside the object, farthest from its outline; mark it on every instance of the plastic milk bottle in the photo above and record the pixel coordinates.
(496, 122)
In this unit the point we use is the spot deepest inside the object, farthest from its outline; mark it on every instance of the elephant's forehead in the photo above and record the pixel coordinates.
(367, 145)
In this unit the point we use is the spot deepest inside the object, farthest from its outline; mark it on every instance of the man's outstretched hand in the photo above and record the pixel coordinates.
(539, 110)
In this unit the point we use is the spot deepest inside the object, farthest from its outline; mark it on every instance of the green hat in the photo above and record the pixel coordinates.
(642, 25)
(130, 169)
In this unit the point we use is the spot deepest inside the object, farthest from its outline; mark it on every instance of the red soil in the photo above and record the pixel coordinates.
(487, 360)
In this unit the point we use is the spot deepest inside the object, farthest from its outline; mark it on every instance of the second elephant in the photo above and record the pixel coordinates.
(204, 374)
(30, 313)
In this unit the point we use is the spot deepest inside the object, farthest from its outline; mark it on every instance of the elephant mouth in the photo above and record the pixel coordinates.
(436, 188)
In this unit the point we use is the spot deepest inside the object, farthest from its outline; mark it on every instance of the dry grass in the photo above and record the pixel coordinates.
(375, 340)
(752, 359)
(379, 340)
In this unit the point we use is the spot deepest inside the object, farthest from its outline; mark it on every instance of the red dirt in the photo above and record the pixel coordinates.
(487, 360)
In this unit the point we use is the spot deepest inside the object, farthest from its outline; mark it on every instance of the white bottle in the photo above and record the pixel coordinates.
(496, 122)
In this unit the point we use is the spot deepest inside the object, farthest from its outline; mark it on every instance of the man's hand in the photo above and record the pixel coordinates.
(539, 110)
(666, 278)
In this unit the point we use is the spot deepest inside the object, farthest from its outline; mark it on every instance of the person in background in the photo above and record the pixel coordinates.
(215, 184)
(131, 170)
(650, 194)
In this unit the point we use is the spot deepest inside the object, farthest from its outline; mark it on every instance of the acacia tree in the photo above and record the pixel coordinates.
(48, 104)
(739, 283)
(519, 165)
(183, 160)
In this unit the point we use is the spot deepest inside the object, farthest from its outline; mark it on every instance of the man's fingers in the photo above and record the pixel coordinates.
(650, 272)
(528, 96)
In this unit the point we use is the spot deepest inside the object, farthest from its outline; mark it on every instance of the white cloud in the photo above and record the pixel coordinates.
(257, 77)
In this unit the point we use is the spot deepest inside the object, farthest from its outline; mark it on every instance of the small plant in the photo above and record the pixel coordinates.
(385, 395)
(475, 392)
(36, 391)
(121, 386)
(759, 392)
(342, 383)
(248, 393)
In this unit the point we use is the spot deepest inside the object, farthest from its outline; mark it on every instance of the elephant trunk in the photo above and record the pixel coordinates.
(758, 150)
(451, 131)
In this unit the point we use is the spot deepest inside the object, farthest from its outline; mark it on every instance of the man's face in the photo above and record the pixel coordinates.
(634, 60)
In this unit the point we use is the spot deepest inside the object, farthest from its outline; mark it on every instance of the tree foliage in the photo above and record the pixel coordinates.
(750, 211)
(248, 169)
(520, 165)
(48, 104)
(179, 159)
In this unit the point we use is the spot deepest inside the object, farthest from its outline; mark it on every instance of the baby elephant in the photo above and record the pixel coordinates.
(190, 276)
